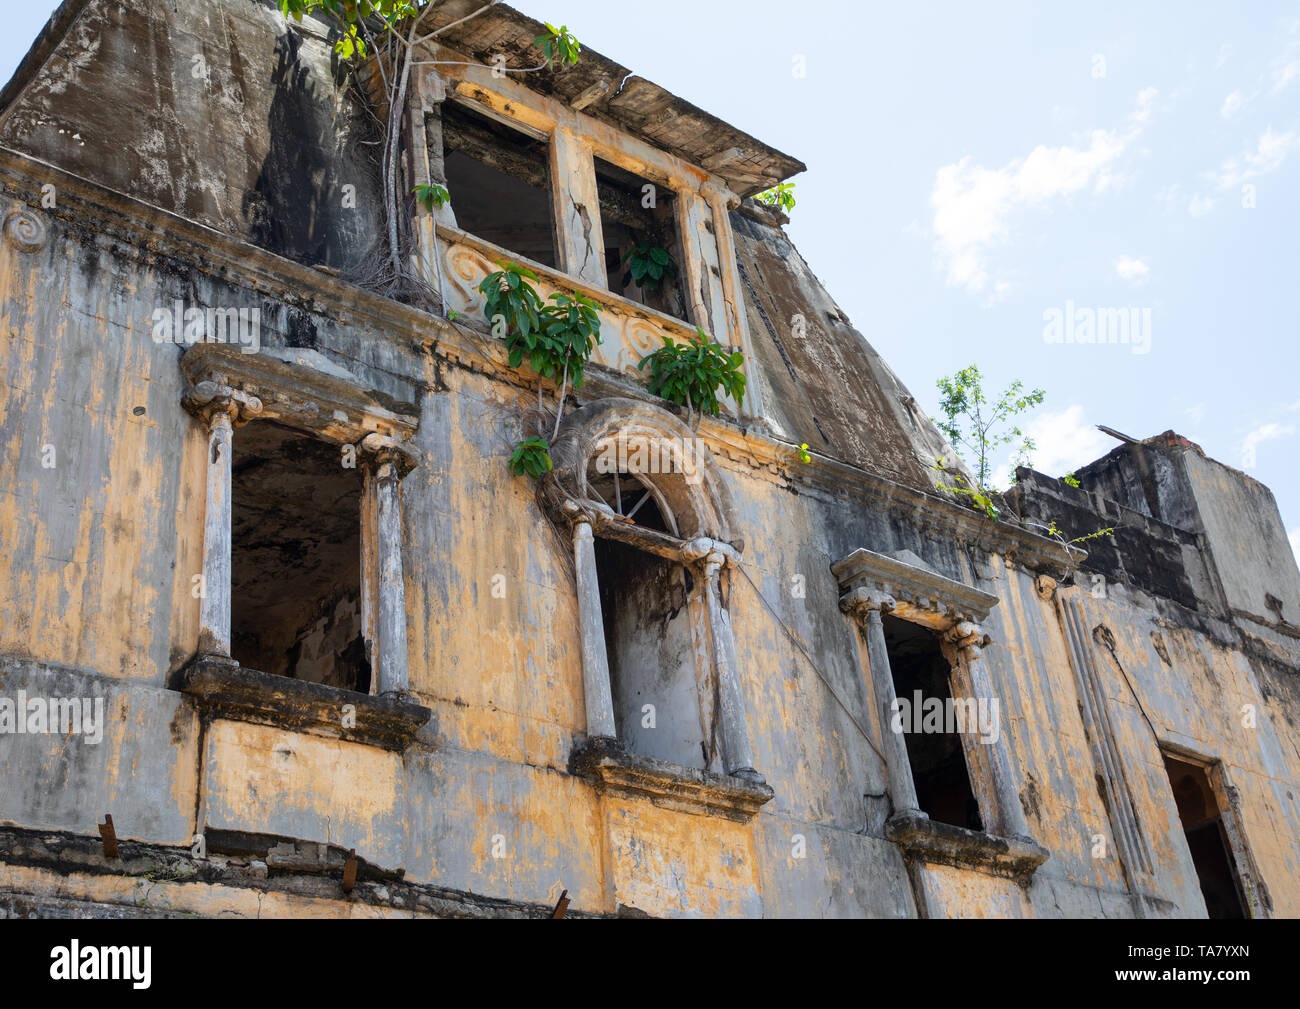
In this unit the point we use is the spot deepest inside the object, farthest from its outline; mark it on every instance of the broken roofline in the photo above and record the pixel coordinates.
(608, 91)
(597, 86)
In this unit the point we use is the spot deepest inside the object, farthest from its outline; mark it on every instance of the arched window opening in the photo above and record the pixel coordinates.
(654, 677)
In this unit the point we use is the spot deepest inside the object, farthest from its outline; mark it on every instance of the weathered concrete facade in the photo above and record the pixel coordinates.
(491, 748)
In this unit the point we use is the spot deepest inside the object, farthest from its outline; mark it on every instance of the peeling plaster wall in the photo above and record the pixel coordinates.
(501, 671)
(173, 104)
(1246, 535)
(98, 553)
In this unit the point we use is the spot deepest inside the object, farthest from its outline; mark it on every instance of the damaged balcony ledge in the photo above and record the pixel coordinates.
(668, 785)
(926, 840)
(629, 329)
(223, 688)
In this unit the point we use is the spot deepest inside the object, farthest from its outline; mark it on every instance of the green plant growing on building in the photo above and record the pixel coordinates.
(692, 374)
(780, 196)
(556, 336)
(649, 266)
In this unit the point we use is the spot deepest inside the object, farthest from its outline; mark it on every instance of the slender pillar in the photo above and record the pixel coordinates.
(867, 606)
(221, 409)
(969, 639)
(721, 201)
(737, 752)
(595, 662)
(577, 208)
(389, 463)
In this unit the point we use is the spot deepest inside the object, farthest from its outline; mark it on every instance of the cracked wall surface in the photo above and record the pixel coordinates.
(481, 814)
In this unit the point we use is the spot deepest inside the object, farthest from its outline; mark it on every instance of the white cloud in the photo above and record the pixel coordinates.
(1231, 105)
(973, 205)
(1064, 440)
(1263, 433)
(1133, 270)
(1001, 291)
(1225, 51)
(1199, 206)
(1146, 99)
(1270, 152)
(1285, 74)
(1196, 413)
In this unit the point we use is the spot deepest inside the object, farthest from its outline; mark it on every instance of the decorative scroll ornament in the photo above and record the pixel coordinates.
(25, 231)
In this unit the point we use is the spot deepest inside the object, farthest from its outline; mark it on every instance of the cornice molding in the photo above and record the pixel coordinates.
(865, 573)
(153, 232)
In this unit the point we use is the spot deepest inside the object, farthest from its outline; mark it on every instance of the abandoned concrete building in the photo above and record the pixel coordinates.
(273, 602)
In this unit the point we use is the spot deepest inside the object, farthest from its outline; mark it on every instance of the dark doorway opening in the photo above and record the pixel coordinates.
(938, 758)
(295, 578)
(1216, 867)
(652, 669)
(499, 181)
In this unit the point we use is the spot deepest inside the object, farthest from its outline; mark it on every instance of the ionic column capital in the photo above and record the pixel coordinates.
(714, 553)
(968, 637)
(431, 86)
(387, 457)
(867, 604)
(209, 400)
(719, 196)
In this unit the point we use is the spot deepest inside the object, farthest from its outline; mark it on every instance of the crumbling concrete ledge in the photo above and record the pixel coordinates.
(224, 689)
(669, 785)
(925, 840)
(56, 874)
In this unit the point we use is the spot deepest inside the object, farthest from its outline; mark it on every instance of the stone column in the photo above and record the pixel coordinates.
(388, 463)
(221, 409)
(866, 607)
(577, 208)
(595, 661)
(968, 639)
(737, 751)
(721, 202)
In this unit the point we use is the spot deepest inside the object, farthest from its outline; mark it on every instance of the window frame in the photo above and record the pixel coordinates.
(871, 584)
(709, 276)
(303, 390)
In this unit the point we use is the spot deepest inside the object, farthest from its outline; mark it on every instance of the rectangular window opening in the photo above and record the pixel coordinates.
(922, 679)
(1207, 839)
(638, 221)
(295, 579)
(499, 181)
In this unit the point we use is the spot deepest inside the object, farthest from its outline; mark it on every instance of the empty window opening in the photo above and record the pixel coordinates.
(652, 667)
(295, 579)
(1198, 809)
(499, 181)
(640, 223)
(628, 496)
(938, 758)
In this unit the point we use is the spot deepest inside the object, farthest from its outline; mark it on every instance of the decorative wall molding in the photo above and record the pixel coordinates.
(305, 389)
(25, 230)
(1131, 845)
(918, 592)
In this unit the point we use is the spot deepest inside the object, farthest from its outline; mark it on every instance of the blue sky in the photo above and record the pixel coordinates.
(972, 168)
